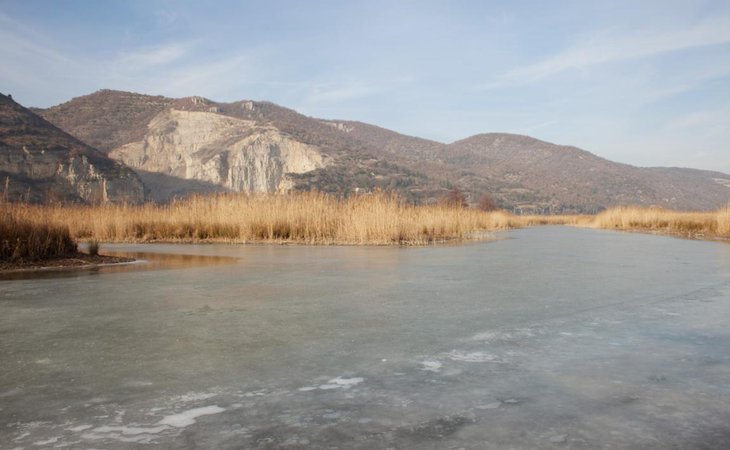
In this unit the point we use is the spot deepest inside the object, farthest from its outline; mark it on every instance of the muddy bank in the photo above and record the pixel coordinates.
(77, 261)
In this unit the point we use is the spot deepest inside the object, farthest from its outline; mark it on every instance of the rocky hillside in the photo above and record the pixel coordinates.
(241, 146)
(194, 144)
(568, 178)
(39, 162)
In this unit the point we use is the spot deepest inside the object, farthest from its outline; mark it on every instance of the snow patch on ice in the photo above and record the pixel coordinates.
(80, 428)
(513, 335)
(21, 437)
(187, 418)
(431, 365)
(341, 383)
(138, 383)
(458, 355)
(493, 405)
(130, 431)
(137, 439)
(192, 397)
(52, 440)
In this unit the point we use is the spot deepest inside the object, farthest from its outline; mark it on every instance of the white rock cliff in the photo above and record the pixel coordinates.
(230, 152)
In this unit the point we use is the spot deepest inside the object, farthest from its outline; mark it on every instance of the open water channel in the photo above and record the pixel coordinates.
(552, 337)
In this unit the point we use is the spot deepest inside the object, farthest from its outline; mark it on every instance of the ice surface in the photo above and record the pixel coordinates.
(80, 428)
(459, 355)
(341, 383)
(431, 365)
(187, 418)
(546, 340)
(129, 430)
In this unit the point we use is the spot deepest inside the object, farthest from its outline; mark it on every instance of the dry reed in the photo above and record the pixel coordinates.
(311, 218)
(22, 239)
(691, 224)
(533, 220)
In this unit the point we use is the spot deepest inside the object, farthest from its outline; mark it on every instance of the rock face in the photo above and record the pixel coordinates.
(226, 151)
(39, 162)
(194, 144)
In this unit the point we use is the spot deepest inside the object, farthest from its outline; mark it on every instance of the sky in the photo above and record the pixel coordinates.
(640, 82)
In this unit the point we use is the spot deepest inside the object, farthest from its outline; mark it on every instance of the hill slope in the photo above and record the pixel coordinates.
(39, 162)
(570, 178)
(262, 147)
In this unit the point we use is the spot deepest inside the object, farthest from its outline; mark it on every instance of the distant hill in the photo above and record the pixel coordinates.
(39, 162)
(262, 147)
(568, 177)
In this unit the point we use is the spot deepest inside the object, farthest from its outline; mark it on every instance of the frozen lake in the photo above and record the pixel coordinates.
(552, 338)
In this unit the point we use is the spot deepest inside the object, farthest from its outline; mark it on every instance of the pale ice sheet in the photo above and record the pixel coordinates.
(431, 365)
(542, 341)
(341, 383)
(187, 418)
(476, 357)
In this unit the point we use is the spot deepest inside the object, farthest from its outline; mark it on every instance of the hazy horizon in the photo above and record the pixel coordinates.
(644, 84)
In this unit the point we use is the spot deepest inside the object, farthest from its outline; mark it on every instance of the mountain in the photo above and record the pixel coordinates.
(40, 162)
(241, 146)
(197, 145)
(565, 177)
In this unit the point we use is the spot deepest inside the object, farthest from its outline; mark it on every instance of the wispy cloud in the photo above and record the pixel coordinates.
(16, 43)
(613, 46)
(210, 77)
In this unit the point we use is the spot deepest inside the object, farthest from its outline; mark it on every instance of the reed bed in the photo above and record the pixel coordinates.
(713, 224)
(32, 231)
(22, 239)
(535, 220)
(309, 218)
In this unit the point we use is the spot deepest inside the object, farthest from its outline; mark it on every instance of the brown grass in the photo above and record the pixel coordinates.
(311, 218)
(533, 220)
(714, 224)
(22, 239)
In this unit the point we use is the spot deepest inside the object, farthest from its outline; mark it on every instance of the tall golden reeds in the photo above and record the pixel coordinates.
(22, 239)
(316, 218)
(691, 224)
(312, 218)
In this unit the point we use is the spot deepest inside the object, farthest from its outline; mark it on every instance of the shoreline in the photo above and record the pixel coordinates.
(71, 262)
(689, 236)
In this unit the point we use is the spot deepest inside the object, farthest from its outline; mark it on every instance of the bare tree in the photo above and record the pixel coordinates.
(455, 198)
(487, 203)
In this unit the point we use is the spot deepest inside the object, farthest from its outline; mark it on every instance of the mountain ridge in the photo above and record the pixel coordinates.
(41, 162)
(521, 172)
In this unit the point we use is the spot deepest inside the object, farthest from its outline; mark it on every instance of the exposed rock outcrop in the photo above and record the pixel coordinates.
(39, 162)
(234, 153)
(263, 147)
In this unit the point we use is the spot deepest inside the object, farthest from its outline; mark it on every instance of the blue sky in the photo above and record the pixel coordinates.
(646, 83)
